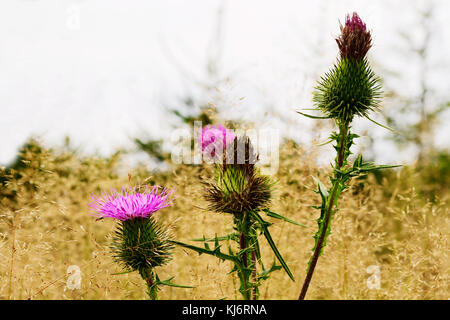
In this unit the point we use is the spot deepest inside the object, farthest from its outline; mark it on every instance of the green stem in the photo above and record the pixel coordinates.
(342, 146)
(152, 286)
(243, 246)
(340, 158)
(318, 248)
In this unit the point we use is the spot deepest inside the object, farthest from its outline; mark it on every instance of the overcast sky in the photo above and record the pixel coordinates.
(105, 71)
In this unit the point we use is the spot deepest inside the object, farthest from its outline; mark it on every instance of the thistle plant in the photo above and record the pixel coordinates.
(349, 89)
(139, 242)
(241, 191)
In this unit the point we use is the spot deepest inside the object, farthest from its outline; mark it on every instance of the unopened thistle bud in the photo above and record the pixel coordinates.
(350, 88)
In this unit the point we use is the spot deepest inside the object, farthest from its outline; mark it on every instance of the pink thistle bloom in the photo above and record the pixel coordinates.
(215, 138)
(355, 40)
(354, 22)
(130, 204)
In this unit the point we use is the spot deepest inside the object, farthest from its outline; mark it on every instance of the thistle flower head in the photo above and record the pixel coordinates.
(350, 88)
(239, 187)
(131, 204)
(214, 140)
(355, 40)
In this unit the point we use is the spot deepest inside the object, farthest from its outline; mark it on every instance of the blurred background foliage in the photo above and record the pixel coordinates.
(398, 221)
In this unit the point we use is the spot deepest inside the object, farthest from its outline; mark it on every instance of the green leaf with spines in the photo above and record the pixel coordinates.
(169, 283)
(231, 236)
(265, 272)
(272, 245)
(280, 217)
(311, 116)
(199, 250)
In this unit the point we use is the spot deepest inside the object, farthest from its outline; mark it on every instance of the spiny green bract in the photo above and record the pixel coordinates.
(350, 88)
(239, 188)
(233, 179)
(141, 244)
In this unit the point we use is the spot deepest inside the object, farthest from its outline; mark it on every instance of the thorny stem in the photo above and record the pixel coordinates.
(318, 247)
(343, 131)
(340, 161)
(246, 240)
(243, 246)
(152, 286)
(254, 276)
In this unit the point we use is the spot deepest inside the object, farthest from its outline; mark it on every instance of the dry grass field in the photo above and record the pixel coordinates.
(392, 223)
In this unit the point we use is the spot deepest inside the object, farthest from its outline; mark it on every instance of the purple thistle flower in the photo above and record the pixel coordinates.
(130, 203)
(214, 138)
(354, 22)
(355, 40)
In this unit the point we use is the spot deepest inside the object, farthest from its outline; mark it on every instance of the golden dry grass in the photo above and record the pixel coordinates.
(45, 226)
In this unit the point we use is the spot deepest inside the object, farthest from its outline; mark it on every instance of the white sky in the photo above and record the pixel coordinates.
(111, 77)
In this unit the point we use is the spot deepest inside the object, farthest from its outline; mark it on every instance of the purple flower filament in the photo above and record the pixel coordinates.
(214, 139)
(130, 203)
(355, 22)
